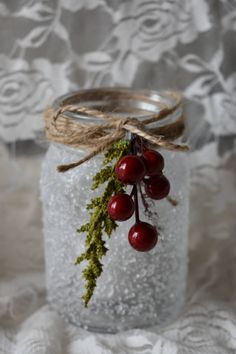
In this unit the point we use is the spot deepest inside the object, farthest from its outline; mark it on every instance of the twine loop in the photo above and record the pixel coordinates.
(98, 136)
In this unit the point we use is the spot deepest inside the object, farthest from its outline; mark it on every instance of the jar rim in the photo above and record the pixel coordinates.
(141, 104)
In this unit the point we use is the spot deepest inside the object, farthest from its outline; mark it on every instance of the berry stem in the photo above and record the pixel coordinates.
(136, 208)
(145, 204)
(132, 192)
(133, 144)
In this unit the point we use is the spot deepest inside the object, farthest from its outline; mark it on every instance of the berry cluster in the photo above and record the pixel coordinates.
(133, 169)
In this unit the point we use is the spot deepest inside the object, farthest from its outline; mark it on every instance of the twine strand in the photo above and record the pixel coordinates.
(97, 137)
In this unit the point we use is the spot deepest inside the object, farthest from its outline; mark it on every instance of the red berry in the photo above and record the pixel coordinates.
(157, 187)
(130, 169)
(154, 162)
(120, 207)
(143, 236)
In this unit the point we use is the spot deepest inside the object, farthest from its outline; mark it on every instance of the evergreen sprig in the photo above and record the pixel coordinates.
(100, 221)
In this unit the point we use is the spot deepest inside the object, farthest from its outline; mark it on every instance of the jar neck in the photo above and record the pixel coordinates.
(94, 119)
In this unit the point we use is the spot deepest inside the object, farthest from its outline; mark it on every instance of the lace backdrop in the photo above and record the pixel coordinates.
(50, 47)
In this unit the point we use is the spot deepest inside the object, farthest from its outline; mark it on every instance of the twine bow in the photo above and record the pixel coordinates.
(97, 137)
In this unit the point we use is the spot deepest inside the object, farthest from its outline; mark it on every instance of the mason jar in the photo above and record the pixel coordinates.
(136, 289)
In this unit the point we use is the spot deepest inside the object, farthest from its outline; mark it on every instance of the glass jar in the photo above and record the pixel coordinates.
(136, 289)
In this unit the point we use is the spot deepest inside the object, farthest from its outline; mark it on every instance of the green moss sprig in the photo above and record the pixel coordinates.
(100, 221)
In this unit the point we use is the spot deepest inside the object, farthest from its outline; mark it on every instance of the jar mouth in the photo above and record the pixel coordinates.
(120, 102)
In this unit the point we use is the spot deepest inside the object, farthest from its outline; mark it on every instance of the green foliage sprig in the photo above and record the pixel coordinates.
(100, 221)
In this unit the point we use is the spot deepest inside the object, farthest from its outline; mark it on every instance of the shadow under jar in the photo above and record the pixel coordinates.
(136, 289)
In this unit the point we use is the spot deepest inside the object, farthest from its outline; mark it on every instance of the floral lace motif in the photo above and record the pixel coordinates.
(65, 45)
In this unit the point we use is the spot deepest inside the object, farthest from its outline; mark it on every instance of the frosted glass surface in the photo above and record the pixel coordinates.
(136, 289)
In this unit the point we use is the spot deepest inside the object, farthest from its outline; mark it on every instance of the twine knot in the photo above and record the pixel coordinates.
(122, 123)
